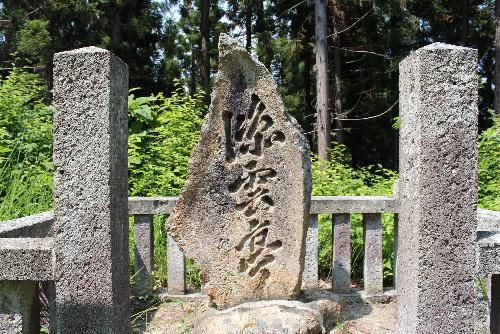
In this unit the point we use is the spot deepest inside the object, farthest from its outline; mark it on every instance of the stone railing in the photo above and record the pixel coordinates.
(340, 207)
(32, 238)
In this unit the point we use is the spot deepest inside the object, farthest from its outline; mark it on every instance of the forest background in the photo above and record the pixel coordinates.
(347, 106)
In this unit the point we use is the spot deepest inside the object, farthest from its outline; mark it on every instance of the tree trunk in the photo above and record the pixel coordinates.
(192, 87)
(339, 131)
(205, 55)
(497, 56)
(264, 49)
(248, 24)
(465, 23)
(116, 29)
(323, 122)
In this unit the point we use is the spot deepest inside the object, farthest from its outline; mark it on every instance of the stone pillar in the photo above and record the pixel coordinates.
(90, 192)
(438, 190)
(373, 276)
(494, 304)
(176, 268)
(144, 254)
(19, 307)
(310, 274)
(341, 253)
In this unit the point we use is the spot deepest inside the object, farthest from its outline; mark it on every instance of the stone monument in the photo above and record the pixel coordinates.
(242, 215)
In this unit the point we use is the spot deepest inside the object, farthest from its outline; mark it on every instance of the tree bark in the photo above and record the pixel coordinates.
(497, 56)
(205, 53)
(339, 131)
(116, 29)
(323, 121)
(465, 23)
(192, 86)
(248, 24)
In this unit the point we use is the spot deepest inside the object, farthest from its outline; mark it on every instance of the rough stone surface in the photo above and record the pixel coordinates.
(27, 259)
(244, 210)
(276, 317)
(438, 190)
(373, 265)
(144, 254)
(176, 267)
(90, 192)
(34, 226)
(310, 275)
(341, 253)
(19, 307)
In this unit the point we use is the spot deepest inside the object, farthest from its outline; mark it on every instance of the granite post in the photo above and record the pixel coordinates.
(341, 253)
(373, 275)
(176, 268)
(438, 190)
(310, 274)
(144, 254)
(90, 192)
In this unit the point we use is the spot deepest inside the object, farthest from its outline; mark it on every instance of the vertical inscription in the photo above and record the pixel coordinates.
(251, 133)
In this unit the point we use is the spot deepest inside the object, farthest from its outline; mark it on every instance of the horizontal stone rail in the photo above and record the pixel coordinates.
(35, 226)
(31, 258)
(27, 259)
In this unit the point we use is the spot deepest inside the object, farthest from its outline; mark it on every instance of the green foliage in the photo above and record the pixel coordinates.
(162, 134)
(489, 167)
(33, 39)
(25, 146)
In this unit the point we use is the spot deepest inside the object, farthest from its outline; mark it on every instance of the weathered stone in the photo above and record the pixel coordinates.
(19, 307)
(90, 192)
(437, 191)
(34, 226)
(27, 259)
(144, 254)
(176, 267)
(243, 212)
(341, 253)
(274, 317)
(310, 275)
(373, 276)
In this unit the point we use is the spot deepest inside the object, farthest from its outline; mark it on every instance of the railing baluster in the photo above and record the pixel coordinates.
(310, 275)
(373, 275)
(144, 253)
(396, 245)
(341, 253)
(176, 268)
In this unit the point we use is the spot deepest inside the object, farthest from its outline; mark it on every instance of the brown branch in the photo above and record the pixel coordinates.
(370, 117)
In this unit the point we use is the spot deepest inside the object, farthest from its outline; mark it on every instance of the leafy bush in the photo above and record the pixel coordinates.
(162, 134)
(489, 167)
(25, 145)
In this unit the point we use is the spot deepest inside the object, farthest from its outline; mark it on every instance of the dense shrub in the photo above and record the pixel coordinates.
(25, 145)
(489, 167)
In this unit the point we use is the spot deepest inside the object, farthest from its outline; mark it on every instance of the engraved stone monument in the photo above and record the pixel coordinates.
(243, 212)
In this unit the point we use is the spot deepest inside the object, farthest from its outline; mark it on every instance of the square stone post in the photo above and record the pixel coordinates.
(19, 307)
(437, 191)
(341, 253)
(90, 192)
(310, 274)
(144, 254)
(373, 274)
(176, 268)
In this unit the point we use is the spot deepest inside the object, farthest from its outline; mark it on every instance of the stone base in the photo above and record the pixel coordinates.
(276, 316)
(19, 307)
